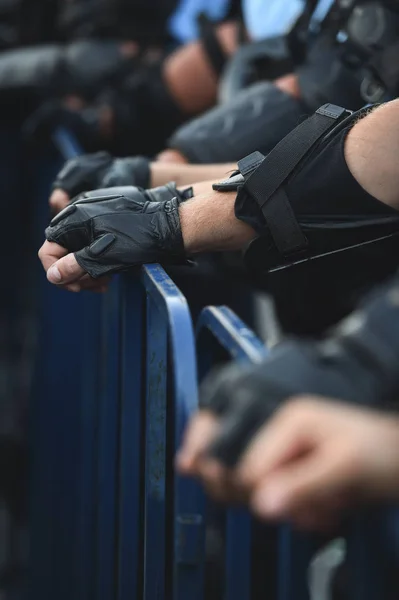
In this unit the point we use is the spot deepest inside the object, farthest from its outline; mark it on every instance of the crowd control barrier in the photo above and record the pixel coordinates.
(111, 520)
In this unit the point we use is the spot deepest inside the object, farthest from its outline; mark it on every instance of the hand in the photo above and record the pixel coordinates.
(316, 457)
(74, 279)
(112, 233)
(311, 461)
(98, 170)
(290, 85)
(218, 405)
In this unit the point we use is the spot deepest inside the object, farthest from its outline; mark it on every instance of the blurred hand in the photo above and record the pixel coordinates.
(290, 85)
(314, 459)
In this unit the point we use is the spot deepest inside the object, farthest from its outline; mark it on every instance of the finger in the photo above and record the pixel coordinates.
(59, 200)
(50, 253)
(317, 519)
(64, 271)
(88, 283)
(76, 287)
(314, 479)
(200, 432)
(219, 482)
(284, 437)
(93, 288)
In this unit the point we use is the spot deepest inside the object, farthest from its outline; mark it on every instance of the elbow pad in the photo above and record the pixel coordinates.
(323, 241)
(357, 364)
(301, 198)
(256, 119)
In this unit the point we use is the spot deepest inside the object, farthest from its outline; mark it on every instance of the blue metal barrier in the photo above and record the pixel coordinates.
(219, 327)
(170, 397)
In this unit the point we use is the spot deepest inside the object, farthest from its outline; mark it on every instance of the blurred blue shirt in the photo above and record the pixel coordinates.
(183, 23)
(263, 18)
(268, 18)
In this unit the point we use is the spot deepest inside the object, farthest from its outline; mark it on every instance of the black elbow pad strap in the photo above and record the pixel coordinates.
(262, 179)
(292, 196)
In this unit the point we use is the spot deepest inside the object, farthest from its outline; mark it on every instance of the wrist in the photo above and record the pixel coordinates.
(209, 224)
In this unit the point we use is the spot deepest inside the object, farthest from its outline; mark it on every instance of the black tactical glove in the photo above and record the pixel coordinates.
(114, 232)
(159, 194)
(356, 364)
(101, 170)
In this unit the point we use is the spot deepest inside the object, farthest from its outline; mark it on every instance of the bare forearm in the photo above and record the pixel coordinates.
(183, 175)
(371, 152)
(209, 224)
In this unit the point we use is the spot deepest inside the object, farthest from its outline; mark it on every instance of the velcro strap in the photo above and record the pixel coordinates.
(211, 44)
(264, 185)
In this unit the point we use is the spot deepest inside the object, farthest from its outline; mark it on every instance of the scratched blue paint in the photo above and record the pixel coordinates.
(187, 545)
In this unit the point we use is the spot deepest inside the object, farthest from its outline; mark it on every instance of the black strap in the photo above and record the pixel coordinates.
(211, 44)
(298, 35)
(264, 185)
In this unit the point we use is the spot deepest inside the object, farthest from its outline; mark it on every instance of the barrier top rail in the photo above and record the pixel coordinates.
(232, 334)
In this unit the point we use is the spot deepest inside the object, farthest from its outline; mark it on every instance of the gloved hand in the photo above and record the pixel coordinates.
(158, 194)
(357, 364)
(114, 232)
(101, 170)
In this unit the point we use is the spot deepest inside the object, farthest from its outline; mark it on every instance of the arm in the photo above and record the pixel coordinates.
(185, 174)
(365, 172)
(100, 170)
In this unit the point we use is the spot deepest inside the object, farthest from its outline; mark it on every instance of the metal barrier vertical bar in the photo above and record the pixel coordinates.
(372, 555)
(131, 435)
(54, 526)
(187, 546)
(242, 344)
(154, 515)
(108, 432)
(89, 312)
(295, 553)
(86, 539)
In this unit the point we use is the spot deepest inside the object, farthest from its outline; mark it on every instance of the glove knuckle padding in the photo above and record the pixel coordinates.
(114, 232)
(83, 173)
(128, 171)
(100, 170)
(255, 120)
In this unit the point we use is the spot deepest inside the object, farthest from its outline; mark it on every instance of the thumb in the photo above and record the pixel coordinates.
(316, 478)
(65, 270)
